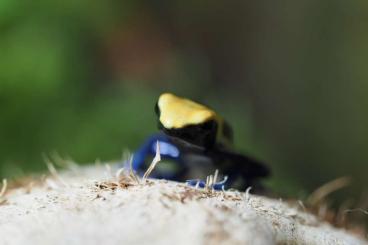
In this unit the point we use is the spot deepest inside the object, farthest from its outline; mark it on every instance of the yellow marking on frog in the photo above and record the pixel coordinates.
(177, 112)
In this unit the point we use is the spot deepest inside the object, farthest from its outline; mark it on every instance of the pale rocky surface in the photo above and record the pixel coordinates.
(87, 206)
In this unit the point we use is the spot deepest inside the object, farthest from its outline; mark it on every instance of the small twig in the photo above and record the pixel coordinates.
(356, 210)
(131, 172)
(215, 176)
(155, 160)
(67, 163)
(322, 211)
(247, 194)
(207, 182)
(341, 214)
(118, 173)
(301, 204)
(3, 188)
(318, 195)
(210, 181)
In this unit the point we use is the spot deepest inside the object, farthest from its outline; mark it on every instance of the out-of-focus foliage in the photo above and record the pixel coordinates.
(81, 78)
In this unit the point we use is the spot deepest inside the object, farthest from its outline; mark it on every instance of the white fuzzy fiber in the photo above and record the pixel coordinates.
(85, 206)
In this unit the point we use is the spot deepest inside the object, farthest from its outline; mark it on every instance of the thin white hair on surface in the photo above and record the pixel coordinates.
(64, 162)
(51, 184)
(247, 194)
(77, 212)
(125, 155)
(215, 176)
(118, 173)
(207, 183)
(109, 172)
(197, 185)
(132, 175)
(3, 188)
(155, 160)
(210, 181)
(53, 170)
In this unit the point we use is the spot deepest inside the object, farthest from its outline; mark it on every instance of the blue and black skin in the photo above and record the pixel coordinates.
(193, 147)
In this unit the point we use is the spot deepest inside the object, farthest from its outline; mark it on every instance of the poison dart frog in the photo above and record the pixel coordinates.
(194, 142)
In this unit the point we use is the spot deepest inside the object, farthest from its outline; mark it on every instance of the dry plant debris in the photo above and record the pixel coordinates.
(3, 188)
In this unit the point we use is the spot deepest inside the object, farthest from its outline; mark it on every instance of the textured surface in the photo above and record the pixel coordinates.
(87, 206)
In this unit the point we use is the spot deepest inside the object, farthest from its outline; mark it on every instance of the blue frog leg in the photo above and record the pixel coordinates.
(168, 151)
(201, 183)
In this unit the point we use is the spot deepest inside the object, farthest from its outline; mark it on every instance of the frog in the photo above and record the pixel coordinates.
(193, 141)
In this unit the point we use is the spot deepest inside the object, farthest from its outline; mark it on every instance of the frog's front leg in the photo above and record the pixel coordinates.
(145, 153)
(202, 184)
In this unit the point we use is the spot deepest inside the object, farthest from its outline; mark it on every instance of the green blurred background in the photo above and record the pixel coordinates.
(81, 78)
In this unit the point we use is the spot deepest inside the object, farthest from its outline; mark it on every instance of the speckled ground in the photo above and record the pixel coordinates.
(88, 206)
